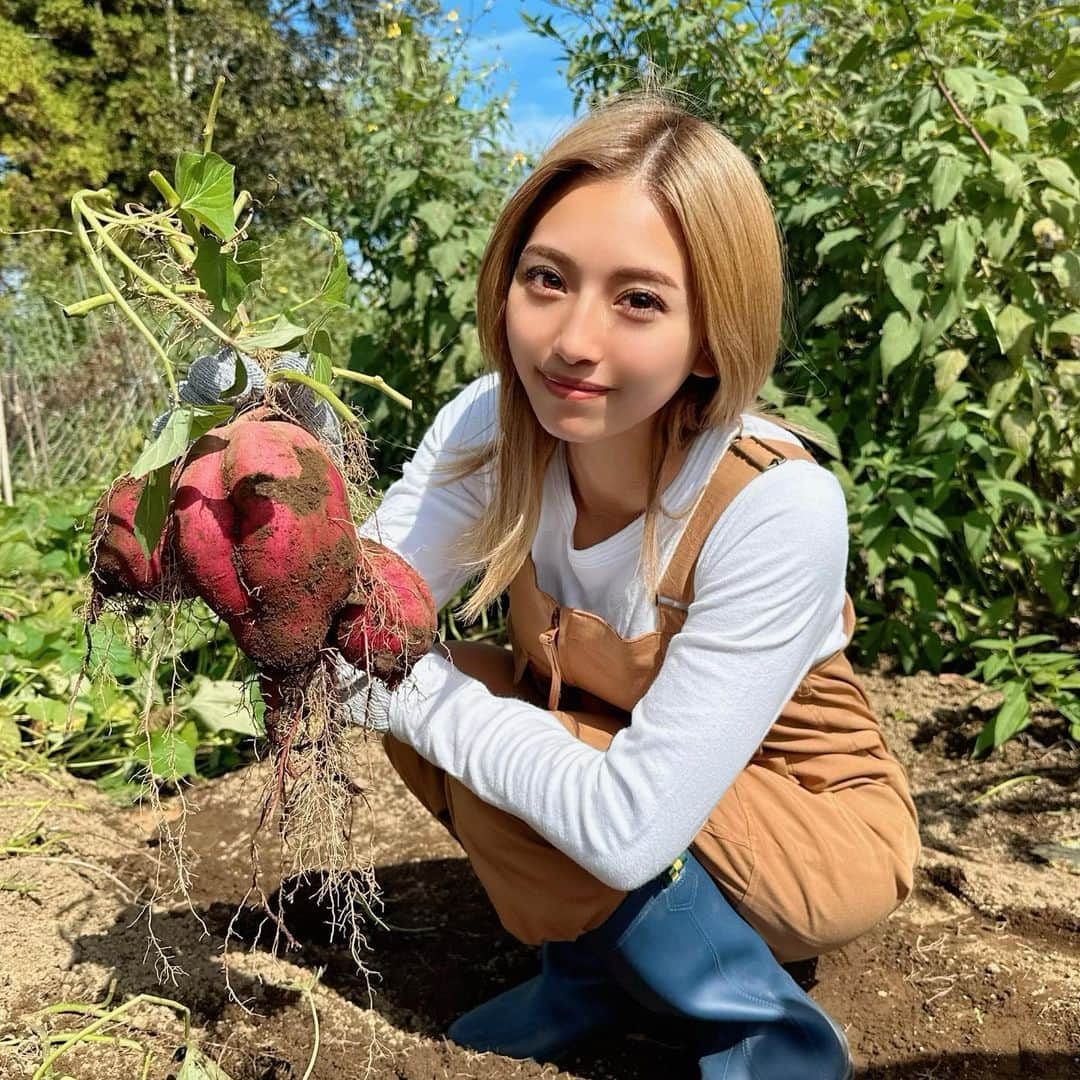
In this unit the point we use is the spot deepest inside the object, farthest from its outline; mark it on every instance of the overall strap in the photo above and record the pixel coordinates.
(747, 457)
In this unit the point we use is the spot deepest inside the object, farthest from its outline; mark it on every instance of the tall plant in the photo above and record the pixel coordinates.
(426, 149)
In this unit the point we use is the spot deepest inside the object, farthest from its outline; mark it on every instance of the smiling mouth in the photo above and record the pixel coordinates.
(569, 384)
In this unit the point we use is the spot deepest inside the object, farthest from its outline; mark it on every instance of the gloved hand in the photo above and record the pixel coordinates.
(367, 701)
(210, 376)
(304, 405)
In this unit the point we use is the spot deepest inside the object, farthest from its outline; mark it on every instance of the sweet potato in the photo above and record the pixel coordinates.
(265, 537)
(390, 620)
(118, 564)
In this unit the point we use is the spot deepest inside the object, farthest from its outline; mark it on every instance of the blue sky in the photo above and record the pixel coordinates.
(540, 104)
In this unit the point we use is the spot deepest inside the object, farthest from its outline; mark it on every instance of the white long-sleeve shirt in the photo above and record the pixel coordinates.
(768, 599)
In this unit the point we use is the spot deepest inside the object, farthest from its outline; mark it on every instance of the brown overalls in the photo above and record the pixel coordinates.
(814, 843)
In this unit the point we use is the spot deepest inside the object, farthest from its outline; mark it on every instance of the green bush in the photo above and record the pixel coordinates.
(199, 710)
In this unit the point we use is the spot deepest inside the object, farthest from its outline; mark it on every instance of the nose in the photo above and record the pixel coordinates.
(581, 331)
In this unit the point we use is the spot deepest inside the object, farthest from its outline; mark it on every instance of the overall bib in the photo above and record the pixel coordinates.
(814, 843)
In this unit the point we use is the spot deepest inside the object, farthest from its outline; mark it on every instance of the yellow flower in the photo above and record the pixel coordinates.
(393, 30)
(518, 158)
(371, 127)
(766, 90)
(448, 99)
(452, 16)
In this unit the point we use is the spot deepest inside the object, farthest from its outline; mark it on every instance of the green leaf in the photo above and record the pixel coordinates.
(1008, 118)
(223, 279)
(961, 85)
(438, 216)
(204, 183)
(804, 416)
(282, 335)
(948, 367)
(447, 258)
(197, 1066)
(1011, 718)
(1014, 329)
(185, 424)
(169, 756)
(998, 492)
(836, 307)
(801, 213)
(1058, 174)
(222, 705)
(1008, 172)
(320, 353)
(171, 442)
(398, 181)
(10, 739)
(48, 713)
(946, 178)
(1066, 74)
(893, 230)
(1067, 324)
(978, 529)
(835, 239)
(153, 508)
(1001, 230)
(958, 247)
(337, 277)
(400, 291)
(899, 339)
(901, 276)
(240, 379)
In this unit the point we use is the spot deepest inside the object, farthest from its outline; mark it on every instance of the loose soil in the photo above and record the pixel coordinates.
(977, 975)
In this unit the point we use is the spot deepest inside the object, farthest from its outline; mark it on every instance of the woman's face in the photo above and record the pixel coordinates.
(598, 313)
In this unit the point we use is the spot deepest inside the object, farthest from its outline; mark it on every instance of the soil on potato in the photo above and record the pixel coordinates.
(977, 975)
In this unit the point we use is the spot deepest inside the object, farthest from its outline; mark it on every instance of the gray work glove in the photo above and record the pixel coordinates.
(210, 376)
(366, 700)
(304, 406)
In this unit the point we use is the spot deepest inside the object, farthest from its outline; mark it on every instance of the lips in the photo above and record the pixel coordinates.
(575, 384)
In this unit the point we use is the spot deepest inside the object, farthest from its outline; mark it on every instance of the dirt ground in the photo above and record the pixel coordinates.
(977, 975)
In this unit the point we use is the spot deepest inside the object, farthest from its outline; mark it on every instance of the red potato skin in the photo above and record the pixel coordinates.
(118, 564)
(265, 537)
(390, 621)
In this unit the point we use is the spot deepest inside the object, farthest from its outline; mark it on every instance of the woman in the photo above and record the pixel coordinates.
(674, 782)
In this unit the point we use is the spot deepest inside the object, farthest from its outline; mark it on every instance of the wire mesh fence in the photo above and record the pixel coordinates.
(74, 398)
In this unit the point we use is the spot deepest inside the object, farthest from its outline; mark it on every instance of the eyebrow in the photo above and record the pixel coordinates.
(639, 273)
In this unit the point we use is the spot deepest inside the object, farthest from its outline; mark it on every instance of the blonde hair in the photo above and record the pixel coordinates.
(703, 182)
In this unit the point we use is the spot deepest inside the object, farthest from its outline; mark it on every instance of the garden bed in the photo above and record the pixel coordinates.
(977, 975)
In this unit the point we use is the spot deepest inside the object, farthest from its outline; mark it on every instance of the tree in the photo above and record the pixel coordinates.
(98, 94)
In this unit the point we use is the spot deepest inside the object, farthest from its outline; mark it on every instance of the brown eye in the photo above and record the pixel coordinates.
(544, 275)
(644, 305)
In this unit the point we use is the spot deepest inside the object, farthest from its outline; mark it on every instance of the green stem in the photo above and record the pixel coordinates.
(377, 381)
(316, 387)
(148, 279)
(211, 116)
(91, 303)
(45, 1067)
(78, 211)
(241, 204)
(168, 192)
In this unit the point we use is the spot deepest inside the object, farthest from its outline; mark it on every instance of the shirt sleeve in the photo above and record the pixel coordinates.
(420, 515)
(769, 587)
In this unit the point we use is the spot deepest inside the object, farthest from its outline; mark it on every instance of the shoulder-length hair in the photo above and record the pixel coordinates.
(707, 186)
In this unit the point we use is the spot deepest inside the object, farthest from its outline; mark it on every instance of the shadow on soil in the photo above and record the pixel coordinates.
(440, 952)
